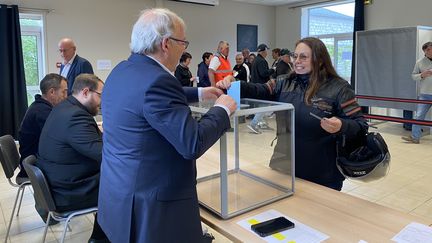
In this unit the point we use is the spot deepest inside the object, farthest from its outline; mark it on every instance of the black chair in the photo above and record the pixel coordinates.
(10, 158)
(43, 197)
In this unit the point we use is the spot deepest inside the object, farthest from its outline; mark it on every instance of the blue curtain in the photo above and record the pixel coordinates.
(13, 94)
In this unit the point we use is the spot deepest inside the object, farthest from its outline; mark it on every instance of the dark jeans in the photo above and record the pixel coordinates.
(407, 115)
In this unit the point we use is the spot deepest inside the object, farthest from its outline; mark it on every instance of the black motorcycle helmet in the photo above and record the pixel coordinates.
(366, 163)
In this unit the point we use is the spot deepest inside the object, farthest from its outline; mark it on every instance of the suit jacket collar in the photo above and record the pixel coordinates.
(141, 58)
(71, 99)
(72, 67)
(74, 63)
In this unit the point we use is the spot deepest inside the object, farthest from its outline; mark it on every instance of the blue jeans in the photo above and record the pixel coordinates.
(259, 117)
(422, 110)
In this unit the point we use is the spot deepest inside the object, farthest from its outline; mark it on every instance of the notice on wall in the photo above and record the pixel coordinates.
(103, 64)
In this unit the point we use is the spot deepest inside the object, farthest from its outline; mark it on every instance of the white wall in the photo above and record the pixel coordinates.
(102, 28)
(398, 13)
(288, 27)
(207, 25)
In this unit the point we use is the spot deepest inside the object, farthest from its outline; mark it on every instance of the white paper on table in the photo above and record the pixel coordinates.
(301, 233)
(414, 232)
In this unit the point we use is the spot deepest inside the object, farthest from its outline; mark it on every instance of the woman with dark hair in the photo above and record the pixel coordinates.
(313, 88)
(182, 72)
(202, 73)
(252, 57)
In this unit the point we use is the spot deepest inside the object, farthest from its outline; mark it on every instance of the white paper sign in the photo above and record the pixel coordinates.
(414, 232)
(103, 64)
(301, 233)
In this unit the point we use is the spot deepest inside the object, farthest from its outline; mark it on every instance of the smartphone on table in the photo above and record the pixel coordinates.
(272, 226)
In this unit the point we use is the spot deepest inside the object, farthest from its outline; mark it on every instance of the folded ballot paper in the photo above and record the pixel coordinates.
(234, 92)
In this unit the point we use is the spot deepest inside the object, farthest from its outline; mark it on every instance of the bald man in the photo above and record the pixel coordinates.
(72, 64)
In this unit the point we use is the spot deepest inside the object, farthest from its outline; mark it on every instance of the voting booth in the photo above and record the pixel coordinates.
(385, 59)
(244, 171)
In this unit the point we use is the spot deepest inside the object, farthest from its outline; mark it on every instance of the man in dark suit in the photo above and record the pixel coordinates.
(72, 64)
(70, 149)
(148, 177)
(54, 90)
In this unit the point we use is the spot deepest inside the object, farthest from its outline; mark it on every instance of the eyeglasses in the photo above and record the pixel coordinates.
(63, 50)
(302, 57)
(100, 94)
(183, 42)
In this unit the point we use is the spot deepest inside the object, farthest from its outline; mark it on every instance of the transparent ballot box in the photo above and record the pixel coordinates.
(245, 170)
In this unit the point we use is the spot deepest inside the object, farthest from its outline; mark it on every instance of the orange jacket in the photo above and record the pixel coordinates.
(223, 70)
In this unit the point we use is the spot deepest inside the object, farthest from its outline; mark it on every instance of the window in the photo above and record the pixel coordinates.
(334, 25)
(32, 44)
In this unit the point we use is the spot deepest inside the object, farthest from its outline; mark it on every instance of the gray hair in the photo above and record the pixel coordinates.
(151, 28)
(221, 44)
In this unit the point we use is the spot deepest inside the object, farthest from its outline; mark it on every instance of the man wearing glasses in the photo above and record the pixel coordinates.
(72, 64)
(70, 149)
(151, 141)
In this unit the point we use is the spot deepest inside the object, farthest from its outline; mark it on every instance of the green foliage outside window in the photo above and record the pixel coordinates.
(30, 54)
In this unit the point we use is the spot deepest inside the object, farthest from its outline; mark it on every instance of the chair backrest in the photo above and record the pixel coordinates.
(9, 155)
(42, 192)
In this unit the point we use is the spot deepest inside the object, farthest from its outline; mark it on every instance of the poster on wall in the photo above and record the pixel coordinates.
(247, 37)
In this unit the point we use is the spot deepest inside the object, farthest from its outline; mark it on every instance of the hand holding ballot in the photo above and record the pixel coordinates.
(225, 83)
(211, 93)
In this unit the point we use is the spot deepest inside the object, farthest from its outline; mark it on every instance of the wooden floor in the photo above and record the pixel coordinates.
(406, 188)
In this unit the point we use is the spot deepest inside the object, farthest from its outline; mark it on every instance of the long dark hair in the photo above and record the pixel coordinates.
(322, 68)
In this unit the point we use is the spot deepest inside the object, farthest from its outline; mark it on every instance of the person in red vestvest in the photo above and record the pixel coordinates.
(220, 66)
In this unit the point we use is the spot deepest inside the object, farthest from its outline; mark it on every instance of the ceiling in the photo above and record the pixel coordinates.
(271, 2)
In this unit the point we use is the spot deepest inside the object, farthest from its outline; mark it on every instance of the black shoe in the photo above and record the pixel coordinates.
(22, 173)
(208, 238)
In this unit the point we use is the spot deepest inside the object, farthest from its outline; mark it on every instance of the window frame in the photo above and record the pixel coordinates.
(305, 29)
(40, 34)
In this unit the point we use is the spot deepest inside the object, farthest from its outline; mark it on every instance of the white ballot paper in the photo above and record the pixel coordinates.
(299, 234)
(414, 232)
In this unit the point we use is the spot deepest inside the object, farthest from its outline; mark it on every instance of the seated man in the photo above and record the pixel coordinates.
(70, 149)
(54, 90)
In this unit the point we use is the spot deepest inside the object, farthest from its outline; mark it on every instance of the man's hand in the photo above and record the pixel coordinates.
(228, 102)
(331, 125)
(426, 73)
(211, 93)
(225, 83)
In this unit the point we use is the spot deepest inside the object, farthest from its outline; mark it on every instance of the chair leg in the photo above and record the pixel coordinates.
(20, 201)
(65, 229)
(12, 215)
(46, 227)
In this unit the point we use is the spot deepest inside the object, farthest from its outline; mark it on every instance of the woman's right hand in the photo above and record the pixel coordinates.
(225, 83)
